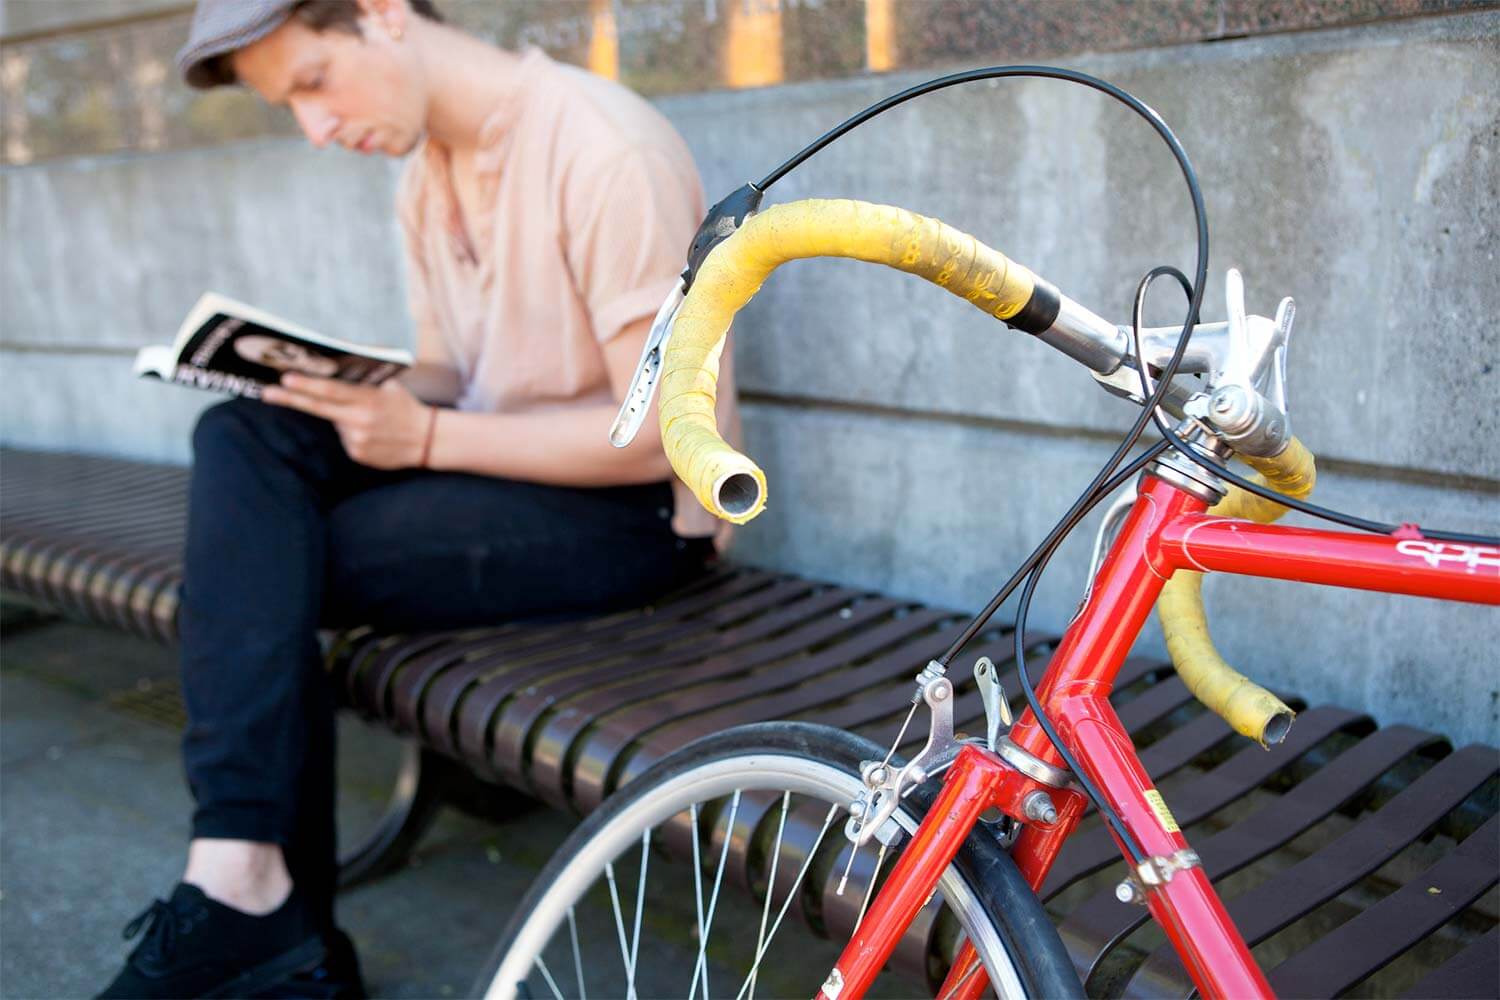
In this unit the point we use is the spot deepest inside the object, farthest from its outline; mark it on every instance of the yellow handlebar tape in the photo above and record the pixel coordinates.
(726, 482)
(1249, 709)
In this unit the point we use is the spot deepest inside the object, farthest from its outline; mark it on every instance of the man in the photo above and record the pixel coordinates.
(546, 214)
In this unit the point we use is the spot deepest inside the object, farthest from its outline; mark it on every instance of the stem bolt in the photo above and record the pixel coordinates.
(1038, 807)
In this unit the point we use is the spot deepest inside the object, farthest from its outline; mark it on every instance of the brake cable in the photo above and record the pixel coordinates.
(729, 213)
(1249, 485)
(1105, 481)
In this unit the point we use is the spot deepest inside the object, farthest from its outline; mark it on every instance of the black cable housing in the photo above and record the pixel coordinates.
(1107, 480)
(1249, 485)
(1096, 490)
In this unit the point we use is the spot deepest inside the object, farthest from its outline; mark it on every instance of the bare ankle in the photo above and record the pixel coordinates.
(248, 875)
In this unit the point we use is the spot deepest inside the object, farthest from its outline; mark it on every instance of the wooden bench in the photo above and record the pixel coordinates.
(1354, 857)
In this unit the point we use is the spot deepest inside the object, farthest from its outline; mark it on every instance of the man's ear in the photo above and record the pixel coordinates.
(389, 16)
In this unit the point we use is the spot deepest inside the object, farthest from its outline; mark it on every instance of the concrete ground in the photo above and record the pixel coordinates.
(93, 819)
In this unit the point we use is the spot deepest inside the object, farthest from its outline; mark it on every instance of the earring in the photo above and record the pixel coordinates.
(396, 34)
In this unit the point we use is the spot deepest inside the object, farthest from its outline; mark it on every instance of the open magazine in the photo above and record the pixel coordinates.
(227, 346)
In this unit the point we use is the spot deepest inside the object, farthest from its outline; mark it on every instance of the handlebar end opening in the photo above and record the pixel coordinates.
(1277, 726)
(740, 496)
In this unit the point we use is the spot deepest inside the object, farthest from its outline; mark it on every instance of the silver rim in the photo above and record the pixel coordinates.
(632, 827)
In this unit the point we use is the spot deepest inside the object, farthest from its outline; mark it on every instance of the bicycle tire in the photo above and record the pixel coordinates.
(999, 911)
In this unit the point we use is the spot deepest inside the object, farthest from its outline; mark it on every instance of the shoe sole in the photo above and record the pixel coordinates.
(299, 959)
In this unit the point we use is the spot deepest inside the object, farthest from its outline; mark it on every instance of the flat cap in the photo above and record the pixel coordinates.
(222, 26)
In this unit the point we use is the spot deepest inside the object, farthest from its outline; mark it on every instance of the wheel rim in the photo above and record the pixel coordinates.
(633, 825)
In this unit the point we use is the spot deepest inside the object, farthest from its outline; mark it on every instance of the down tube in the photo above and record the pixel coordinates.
(1076, 692)
(968, 789)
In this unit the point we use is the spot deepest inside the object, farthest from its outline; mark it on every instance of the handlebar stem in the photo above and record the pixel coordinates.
(1086, 337)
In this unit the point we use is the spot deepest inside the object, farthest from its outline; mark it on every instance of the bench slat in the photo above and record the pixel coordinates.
(570, 709)
(1354, 950)
(1297, 891)
(1103, 920)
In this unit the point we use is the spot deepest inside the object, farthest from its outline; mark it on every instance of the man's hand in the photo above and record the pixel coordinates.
(383, 426)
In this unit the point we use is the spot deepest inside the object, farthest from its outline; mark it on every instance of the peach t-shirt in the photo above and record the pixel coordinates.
(593, 199)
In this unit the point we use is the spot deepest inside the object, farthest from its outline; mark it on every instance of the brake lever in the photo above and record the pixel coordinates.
(647, 371)
(717, 226)
(1248, 407)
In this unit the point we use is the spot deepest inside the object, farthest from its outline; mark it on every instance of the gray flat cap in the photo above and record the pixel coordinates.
(222, 26)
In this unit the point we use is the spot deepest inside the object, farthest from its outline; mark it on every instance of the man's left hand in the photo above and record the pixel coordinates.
(384, 427)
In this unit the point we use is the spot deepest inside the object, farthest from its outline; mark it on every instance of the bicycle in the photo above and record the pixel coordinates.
(981, 845)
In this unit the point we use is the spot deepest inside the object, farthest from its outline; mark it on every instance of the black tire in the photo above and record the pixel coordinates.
(1030, 942)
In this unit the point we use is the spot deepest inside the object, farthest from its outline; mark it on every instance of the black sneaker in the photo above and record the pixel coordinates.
(197, 947)
(337, 977)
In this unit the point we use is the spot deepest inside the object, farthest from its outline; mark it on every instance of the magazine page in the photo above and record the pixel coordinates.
(226, 346)
(158, 361)
(212, 304)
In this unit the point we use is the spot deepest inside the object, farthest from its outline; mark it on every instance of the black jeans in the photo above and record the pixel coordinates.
(286, 534)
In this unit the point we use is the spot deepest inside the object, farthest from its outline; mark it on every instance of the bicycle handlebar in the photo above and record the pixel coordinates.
(733, 487)
(1249, 709)
(726, 482)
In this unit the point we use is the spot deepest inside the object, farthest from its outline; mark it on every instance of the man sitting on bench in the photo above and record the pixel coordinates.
(546, 214)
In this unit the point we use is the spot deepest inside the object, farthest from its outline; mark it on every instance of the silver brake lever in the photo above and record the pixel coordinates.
(647, 372)
(996, 705)
(885, 785)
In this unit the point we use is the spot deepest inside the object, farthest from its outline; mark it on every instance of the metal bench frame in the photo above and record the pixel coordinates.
(568, 712)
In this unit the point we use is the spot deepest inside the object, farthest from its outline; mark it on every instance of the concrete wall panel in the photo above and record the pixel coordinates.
(1354, 170)
(912, 444)
(112, 252)
(944, 512)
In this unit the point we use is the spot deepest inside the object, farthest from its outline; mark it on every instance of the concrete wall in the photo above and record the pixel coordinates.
(911, 445)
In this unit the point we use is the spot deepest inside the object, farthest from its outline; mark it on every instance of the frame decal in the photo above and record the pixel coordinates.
(1159, 806)
(1434, 554)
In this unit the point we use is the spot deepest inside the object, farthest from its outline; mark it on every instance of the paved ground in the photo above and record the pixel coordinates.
(93, 826)
(93, 817)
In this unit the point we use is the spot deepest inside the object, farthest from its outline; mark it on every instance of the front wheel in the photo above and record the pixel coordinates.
(683, 884)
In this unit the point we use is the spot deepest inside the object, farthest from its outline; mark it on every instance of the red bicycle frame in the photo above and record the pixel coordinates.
(1167, 530)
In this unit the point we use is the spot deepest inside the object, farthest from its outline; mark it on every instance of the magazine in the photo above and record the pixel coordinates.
(227, 346)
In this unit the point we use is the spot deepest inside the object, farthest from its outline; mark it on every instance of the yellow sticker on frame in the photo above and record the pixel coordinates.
(1159, 806)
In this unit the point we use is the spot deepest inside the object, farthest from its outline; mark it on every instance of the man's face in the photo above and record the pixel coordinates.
(362, 92)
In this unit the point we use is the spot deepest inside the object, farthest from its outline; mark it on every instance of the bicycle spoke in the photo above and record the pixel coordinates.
(640, 906)
(870, 889)
(973, 970)
(844, 879)
(765, 913)
(713, 899)
(753, 799)
(577, 955)
(698, 895)
(791, 895)
(548, 976)
(614, 898)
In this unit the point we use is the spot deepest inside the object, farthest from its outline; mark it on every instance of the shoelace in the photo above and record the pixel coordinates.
(162, 932)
